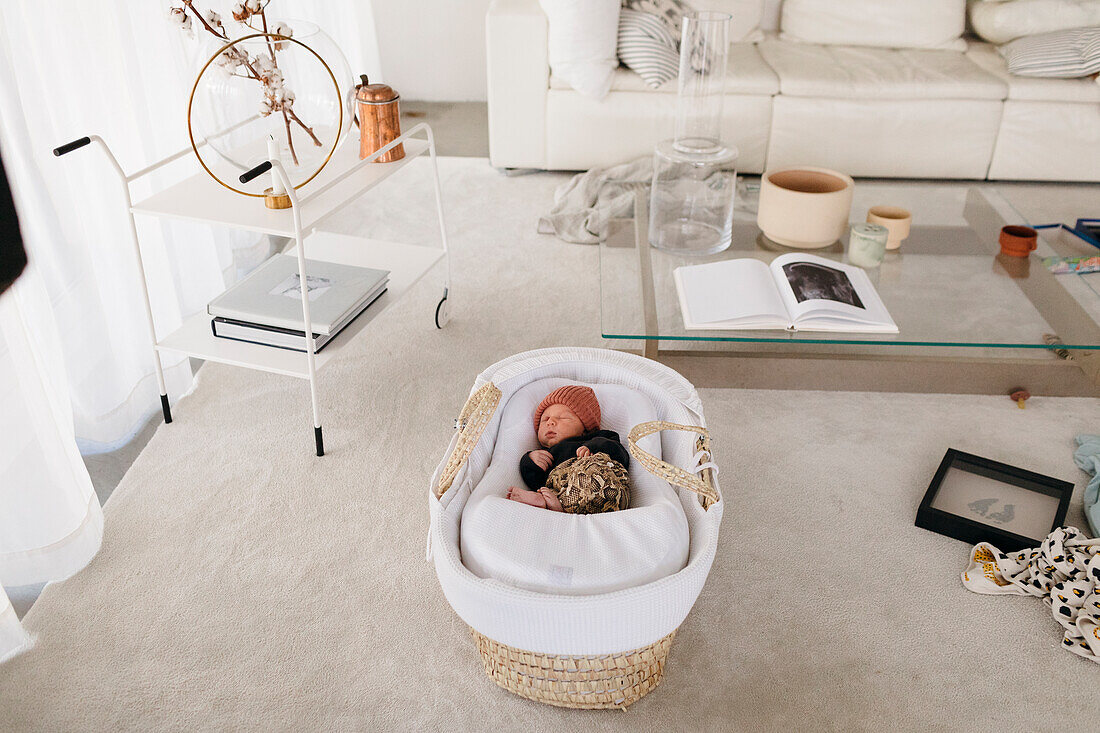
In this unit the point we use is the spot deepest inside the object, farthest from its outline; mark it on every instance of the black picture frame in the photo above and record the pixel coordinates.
(971, 531)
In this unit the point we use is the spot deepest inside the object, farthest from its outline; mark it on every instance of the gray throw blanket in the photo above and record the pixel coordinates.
(595, 196)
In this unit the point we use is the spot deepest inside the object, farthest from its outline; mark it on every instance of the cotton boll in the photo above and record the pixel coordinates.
(282, 29)
(180, 17)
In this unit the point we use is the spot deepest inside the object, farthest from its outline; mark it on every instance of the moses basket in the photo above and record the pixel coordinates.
(578, 651)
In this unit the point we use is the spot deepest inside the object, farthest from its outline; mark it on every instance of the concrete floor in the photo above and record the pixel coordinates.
(461, 129)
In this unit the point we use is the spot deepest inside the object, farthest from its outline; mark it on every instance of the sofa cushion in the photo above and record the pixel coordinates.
(746, 73)
(887, 23)
(1031, 89)
(745, 16)
(848, 72)
(1000, 22)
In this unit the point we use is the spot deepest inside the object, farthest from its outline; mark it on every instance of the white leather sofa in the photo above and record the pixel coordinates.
(865, 111)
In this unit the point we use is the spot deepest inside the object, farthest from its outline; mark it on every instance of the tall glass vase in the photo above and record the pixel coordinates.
(694, 174)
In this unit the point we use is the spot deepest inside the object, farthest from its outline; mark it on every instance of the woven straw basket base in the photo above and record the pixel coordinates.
(587, 683)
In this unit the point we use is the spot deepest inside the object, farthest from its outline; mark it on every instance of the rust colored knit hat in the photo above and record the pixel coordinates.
(581, 400)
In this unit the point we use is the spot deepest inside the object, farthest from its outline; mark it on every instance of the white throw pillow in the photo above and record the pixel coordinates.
(882, 23)
(1001, 22)
(581, 45)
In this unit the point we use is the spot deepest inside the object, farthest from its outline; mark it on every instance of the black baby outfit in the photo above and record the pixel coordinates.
(598, 441)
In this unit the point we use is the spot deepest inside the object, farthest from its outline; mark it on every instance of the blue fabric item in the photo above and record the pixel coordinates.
(1087, 458)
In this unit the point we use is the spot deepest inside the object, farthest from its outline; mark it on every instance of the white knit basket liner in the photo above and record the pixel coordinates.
(577, 625)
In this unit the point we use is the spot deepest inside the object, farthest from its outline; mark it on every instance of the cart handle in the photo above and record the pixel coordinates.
(258, 170)
(70, 147)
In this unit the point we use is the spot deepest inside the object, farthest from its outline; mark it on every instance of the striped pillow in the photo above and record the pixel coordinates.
(1064, 54)
(647, 46)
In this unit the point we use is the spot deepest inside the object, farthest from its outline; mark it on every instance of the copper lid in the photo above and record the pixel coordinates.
(374, 93)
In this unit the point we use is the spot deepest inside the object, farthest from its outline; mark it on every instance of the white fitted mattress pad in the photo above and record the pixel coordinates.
(553, 552)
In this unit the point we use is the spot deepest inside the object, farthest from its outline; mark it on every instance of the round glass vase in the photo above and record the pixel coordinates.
(231, 107)
(691, 201)
(694, 174)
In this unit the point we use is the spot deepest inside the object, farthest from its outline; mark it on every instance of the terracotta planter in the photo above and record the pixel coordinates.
(896, 220)
(804, 207)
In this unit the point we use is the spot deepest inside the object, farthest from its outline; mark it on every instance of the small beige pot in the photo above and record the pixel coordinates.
(804, 207)
(896, 220)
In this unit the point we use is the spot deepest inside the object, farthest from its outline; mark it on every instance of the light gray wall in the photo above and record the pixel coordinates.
(432, 50)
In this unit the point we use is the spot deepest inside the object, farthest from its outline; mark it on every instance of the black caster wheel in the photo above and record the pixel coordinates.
(442, 313)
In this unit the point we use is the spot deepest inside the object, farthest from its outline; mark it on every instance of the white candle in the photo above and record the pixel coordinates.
(273, 155)
(867, 244)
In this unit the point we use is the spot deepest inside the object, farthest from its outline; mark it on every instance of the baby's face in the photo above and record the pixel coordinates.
(558, 423)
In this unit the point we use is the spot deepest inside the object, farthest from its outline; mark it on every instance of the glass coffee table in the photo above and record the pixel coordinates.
(969, 319)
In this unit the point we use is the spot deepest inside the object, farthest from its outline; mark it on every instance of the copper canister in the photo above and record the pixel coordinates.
(379, 120)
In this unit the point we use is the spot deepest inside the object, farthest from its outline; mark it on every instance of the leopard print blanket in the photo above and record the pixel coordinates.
(1064, 571)
(590, 485)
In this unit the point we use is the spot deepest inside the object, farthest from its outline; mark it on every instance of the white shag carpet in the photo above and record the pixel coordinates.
(246, 584)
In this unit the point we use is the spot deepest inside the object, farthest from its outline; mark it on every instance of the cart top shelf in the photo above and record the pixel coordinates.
(201, 198)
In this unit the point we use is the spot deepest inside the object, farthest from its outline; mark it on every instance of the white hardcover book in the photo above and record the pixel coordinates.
(795, 292)
(271, 294)
(286, 338)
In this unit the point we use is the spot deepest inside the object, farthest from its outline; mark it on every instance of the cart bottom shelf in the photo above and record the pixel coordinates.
(407, 263)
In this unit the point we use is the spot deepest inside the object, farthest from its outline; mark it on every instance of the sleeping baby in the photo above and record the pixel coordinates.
(580, 468)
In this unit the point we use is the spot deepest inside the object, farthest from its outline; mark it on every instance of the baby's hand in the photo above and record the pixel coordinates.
(542, 458)
(583, 452)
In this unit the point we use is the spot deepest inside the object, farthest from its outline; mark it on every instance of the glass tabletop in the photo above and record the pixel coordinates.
(947, 286)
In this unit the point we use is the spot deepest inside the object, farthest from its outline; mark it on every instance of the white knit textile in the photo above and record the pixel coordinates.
(604, 623)
(553, 552)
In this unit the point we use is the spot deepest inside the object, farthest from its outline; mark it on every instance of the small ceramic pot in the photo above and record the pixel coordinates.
(1018, 241)
(896, 220)
(804, 207)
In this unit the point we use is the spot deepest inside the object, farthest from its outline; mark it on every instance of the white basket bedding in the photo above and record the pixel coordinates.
(569, 623)
(551, 552)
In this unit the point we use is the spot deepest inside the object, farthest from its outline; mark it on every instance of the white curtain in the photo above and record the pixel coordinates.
(75, 359)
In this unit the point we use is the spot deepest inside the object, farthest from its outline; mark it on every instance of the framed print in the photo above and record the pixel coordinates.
(974, 499)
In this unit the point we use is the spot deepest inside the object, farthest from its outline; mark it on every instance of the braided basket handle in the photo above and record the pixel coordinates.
(471, 423)
(702, 484)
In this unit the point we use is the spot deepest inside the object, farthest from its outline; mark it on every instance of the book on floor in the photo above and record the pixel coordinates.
(796, 292)
(271, 295)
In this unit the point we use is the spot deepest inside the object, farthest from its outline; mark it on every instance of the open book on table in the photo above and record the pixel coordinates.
(796, 292)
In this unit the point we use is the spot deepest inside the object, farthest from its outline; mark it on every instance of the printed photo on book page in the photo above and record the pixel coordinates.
(812, 281)
(825, 295)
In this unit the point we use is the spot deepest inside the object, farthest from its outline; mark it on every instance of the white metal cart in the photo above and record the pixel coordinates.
(345, 178)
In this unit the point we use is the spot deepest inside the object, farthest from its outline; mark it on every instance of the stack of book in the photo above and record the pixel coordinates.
(266, 306)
